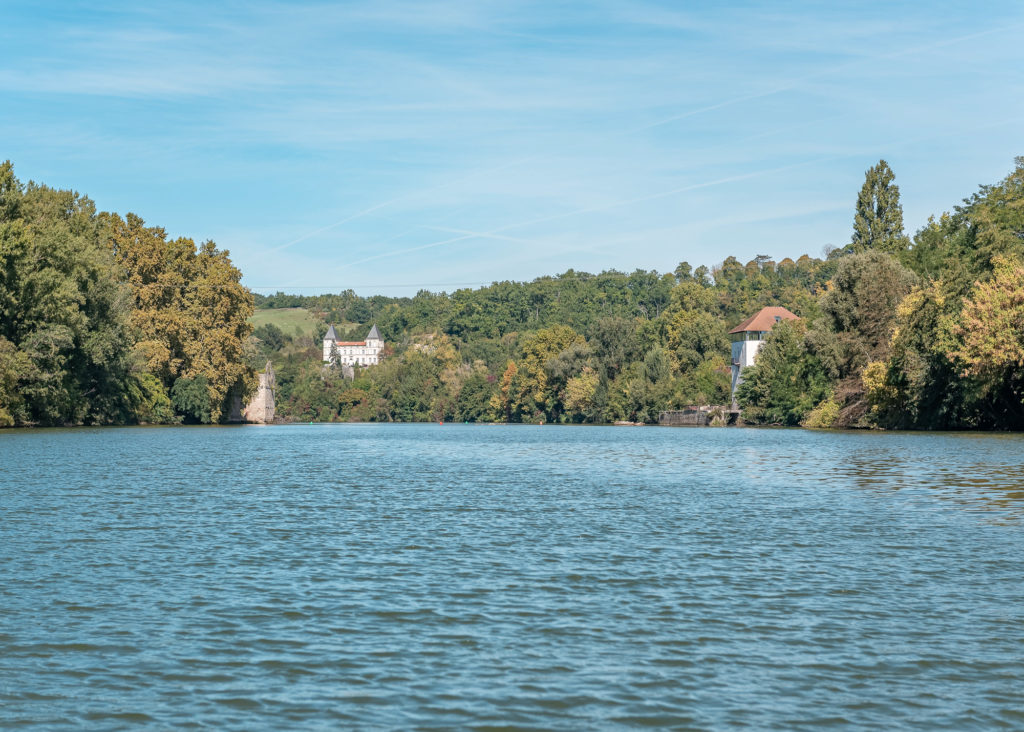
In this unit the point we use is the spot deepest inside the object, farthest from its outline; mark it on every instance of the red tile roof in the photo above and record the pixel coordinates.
(764, 319)
(350, 343)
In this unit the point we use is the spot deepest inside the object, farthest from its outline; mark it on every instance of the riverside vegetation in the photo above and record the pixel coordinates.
(104, 320)
(895, 332)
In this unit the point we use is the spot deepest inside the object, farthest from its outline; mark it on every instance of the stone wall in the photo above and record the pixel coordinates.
(703, 416)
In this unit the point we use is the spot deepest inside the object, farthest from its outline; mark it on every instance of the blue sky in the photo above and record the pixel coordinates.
(391, 145)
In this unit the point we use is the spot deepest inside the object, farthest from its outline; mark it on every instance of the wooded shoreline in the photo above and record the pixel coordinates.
(106, 320)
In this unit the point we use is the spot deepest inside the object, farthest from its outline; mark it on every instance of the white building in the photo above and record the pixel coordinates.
(353, 353)
(748, 336)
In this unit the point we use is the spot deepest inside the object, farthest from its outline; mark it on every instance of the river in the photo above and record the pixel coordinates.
(429, 576)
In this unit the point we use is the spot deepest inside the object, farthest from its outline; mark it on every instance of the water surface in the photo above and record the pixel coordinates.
(426, 576)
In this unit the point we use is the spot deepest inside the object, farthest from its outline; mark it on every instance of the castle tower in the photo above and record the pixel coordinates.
(329, 340)
(373, 339)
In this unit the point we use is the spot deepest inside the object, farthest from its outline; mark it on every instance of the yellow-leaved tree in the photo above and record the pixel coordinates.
(190, 316)
(991, 326)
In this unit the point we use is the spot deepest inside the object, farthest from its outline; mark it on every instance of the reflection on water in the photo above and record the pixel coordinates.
(976, 472)
(423, 576)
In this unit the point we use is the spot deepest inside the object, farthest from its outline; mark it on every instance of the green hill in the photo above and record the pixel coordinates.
(293, 321)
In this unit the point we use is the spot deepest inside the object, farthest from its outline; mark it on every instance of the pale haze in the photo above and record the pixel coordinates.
(392, 146)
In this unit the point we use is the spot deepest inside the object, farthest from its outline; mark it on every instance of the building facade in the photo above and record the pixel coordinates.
(353, 353)
(747, 338)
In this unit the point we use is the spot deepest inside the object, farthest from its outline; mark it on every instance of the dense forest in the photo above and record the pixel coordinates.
(894, 332)
(104, 320)
(571, 348)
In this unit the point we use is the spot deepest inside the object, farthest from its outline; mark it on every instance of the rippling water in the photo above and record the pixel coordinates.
(410, 576)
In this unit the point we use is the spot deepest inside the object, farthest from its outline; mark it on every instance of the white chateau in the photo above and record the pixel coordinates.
(748, 336)
(353, 353)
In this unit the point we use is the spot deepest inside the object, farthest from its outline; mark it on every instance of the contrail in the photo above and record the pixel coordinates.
(336, 224)
(465, 235)
(411, 249)
(480, 234)
(389, 239)
(494, 233)
(794, 83)
(395, 200)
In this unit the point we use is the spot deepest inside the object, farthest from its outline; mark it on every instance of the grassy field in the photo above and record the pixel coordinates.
(291, 320)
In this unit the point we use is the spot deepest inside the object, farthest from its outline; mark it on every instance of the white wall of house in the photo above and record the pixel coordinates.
(744, 351)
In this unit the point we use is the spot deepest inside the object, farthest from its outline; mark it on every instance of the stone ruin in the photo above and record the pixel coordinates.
(260, 410)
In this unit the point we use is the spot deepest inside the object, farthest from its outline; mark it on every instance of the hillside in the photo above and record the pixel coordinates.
(292, 321)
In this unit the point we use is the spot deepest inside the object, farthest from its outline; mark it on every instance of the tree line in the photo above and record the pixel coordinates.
(925, 333)
(576, 347)
(104, 320)
(921, 332)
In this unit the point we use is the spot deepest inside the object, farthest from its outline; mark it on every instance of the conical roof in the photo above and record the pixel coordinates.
(374, 334)
(331, 335)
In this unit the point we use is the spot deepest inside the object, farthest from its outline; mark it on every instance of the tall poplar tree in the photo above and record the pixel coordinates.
(878, 221)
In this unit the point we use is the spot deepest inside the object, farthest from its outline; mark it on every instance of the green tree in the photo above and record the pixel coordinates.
(191, 398)
(154, 403)
(505, 401)
(920, 385)
(64, 316)
(540, 385)
(708, 383)
(694, 336)
(857, 312)
(856, 323)
(878, 220)
(579, 394)
(472, 404)
(614, 342)
(650, 389)
(15, 367)
(786, 382)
